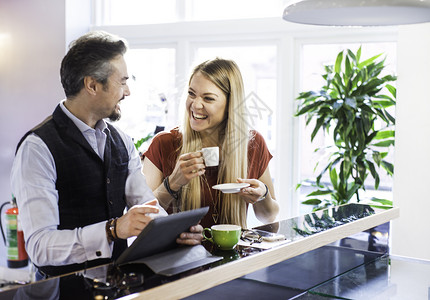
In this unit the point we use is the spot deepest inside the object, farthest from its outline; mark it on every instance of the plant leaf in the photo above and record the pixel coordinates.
(333, 178)
(382, 201)
(338, 63)
(385, 143)
(384, 134)
(389, 167)
(312, 202)
(368, 61)
(319, 193)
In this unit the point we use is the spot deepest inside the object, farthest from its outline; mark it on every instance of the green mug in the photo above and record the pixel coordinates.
(224, 236)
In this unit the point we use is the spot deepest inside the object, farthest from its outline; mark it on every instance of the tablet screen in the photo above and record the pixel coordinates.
(160, 234)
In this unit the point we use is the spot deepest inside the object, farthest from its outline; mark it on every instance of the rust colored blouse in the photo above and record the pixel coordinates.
(163, 153)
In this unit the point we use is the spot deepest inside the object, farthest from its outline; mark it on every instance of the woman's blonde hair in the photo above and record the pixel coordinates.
(234, 137)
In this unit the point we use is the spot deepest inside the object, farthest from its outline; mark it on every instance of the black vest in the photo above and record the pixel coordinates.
(90, 190)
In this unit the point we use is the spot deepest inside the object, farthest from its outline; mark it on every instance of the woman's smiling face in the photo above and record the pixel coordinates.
(206, 105)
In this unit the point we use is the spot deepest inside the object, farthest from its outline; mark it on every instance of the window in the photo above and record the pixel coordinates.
(157, 97)
(238, 9)
(259, 69)
(133, 12)
(152, 91)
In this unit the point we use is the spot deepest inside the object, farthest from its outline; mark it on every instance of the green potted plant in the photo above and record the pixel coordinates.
(353, 107)
(141, 141)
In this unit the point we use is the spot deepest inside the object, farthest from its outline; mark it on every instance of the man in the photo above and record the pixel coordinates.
(74, 174)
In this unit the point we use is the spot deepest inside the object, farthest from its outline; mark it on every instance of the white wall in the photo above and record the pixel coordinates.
(32, 39)
(32, 44)
(411, 235)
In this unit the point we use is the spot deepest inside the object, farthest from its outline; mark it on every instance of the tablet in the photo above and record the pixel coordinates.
(160, 234)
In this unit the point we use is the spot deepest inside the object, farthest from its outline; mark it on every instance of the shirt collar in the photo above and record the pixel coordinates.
(100, 125)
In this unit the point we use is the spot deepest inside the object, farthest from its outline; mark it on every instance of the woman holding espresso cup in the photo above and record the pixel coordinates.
(181, 169)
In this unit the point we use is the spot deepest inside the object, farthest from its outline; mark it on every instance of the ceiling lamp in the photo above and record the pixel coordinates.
(358, 12)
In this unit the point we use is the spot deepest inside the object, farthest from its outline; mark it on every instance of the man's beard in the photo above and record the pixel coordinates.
(115, 116)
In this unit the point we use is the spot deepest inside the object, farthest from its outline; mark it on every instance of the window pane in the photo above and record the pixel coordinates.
(258, 65)
(237, 9)
(259, 69)
(314, 58)
(152, 80)
(131, 12)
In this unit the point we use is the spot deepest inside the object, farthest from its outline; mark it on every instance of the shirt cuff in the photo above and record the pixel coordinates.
(95, 241)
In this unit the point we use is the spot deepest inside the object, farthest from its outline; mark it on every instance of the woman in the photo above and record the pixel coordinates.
(174, 166)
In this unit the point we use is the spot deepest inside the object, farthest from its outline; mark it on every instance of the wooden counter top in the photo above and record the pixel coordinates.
(209, 278)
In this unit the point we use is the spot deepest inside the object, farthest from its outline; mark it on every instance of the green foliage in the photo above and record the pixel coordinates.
(143, 140)
(352, 106)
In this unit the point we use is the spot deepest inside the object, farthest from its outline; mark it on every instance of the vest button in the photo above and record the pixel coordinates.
(108, 181)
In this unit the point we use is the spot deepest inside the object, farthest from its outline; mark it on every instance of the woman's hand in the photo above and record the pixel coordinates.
(265, 206)
(193, 237)
(254, 192)
(188, 166)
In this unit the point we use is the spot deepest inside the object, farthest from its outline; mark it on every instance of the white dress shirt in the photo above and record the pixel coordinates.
(33, 178)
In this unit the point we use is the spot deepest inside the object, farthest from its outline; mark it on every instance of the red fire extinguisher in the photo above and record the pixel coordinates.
(14, 239)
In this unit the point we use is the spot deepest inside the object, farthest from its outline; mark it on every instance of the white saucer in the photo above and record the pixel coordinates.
(230, 188)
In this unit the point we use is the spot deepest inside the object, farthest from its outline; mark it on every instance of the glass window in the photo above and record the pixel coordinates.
(258, 65)
(237, 9)
(259, 71)
(153, 93)
(132, 12)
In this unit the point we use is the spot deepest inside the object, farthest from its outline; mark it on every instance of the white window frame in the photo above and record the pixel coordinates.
(289, 38)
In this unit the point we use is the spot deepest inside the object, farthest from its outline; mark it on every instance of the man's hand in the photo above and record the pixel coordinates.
(193, 237)
(136, 219)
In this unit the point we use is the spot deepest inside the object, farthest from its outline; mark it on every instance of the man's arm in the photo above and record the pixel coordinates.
(138, 192)
(33, 178)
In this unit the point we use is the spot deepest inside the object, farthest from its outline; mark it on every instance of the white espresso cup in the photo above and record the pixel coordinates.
(211, 156)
